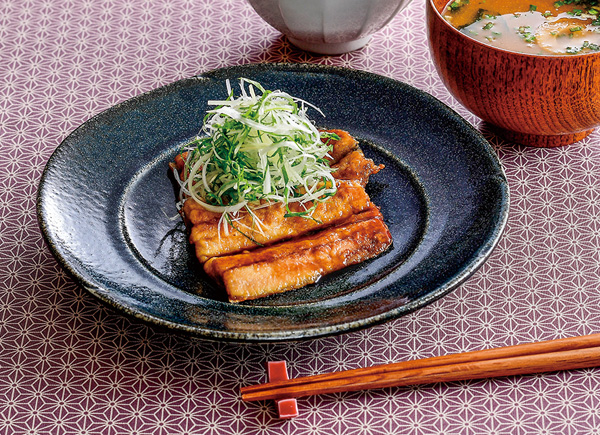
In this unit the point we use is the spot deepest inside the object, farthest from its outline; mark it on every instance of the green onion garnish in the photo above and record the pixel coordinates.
(257, 149)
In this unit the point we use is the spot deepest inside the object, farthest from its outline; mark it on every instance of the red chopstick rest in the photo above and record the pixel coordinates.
(277, 371)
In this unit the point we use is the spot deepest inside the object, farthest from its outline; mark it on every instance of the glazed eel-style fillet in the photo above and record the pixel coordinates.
(356, 167)
(342, 146)
(286, 253)
(301, 261)
(352, 174)
(209, 241)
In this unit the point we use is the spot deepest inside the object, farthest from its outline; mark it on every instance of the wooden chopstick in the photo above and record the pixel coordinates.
(554, 355)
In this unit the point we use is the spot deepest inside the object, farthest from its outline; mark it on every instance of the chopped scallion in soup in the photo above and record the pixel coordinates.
(530, 26)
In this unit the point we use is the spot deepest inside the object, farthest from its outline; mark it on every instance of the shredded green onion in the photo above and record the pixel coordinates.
(257, 149)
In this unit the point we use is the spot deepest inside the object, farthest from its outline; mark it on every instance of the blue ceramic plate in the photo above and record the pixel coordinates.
(106, 206)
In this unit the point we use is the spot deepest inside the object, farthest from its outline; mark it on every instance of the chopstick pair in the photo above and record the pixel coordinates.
(546, 356)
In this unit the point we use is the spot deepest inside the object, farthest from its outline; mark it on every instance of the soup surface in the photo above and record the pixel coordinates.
(530, 26)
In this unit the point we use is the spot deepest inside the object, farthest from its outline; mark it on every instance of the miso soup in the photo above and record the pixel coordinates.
(530, 26)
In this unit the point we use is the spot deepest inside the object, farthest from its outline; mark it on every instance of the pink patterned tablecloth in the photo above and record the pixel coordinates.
(70, 365)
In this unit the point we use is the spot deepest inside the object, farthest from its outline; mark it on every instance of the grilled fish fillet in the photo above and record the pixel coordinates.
(288, 253)
(353, 166)
(356, 167)
(352, 173)
(302, 261)
(341, 147)
(209, 241)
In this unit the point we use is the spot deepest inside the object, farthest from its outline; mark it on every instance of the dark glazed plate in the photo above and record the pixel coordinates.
(106, 206)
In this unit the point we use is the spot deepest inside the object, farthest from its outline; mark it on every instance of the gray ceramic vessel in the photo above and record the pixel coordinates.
(328, 26)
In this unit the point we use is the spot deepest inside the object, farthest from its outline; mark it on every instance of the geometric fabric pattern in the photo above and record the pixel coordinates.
(70, 365)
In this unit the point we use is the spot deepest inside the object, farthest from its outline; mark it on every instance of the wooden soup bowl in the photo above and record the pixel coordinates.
(535, 100)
